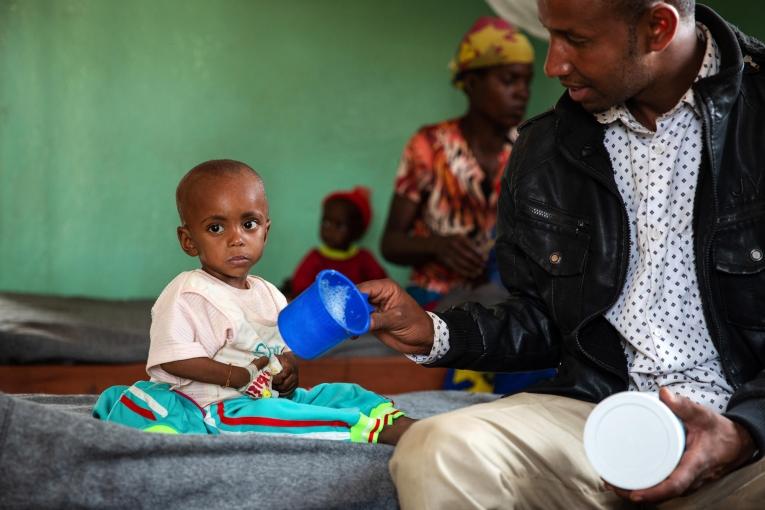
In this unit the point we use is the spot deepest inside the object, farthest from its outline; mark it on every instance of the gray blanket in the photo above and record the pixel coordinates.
(54, 455)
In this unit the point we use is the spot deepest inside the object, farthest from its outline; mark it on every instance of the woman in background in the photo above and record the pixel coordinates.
(443, 212)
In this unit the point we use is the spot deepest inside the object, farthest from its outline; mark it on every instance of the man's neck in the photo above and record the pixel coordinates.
(672, 81)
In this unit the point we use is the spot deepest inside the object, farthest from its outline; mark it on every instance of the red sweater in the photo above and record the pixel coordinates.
(358, 268)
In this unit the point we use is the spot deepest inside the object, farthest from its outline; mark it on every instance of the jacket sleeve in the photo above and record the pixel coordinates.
(747, 407)
(519, 333)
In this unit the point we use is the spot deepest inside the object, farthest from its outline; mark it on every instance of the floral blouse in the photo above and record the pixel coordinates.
(439, 172)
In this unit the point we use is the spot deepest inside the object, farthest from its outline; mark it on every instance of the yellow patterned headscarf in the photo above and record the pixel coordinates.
(490, 42)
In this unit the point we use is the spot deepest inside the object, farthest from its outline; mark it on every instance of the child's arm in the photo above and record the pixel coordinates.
(210, 371)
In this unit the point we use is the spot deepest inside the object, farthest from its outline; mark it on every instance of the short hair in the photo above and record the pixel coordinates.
(212, 168)
(633, 9)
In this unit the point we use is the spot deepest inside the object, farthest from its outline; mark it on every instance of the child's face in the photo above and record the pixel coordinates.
(336, 229)
(226, 225)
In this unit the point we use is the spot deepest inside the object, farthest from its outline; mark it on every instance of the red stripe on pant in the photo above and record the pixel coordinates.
(276, 422)
(138, 410)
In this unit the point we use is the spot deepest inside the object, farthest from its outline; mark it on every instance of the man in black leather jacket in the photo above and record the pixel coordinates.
(564, 250)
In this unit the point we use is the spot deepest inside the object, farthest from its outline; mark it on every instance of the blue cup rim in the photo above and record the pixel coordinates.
(354, 290)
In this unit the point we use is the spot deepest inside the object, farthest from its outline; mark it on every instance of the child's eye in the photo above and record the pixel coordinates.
(250, 225)
(339, 225)
(215, 228)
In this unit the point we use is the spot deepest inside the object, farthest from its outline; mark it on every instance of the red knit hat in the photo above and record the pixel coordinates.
(358, 196)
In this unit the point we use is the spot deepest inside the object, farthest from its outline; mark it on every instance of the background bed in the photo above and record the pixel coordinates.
(71, 345)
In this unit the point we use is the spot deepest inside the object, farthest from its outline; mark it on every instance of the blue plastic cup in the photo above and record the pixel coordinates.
(323, 315)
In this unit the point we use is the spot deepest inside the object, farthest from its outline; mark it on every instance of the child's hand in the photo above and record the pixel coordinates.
(261, 379)
(286, 381)
(261, 362)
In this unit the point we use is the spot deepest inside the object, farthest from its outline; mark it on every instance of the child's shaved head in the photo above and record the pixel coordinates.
(203, 173)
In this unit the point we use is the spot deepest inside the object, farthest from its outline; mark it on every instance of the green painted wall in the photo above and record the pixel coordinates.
(748, 15)
(104, 104)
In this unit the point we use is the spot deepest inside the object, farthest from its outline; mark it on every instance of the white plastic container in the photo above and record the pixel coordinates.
(633, 440)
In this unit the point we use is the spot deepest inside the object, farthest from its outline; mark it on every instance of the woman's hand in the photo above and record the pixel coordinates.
(286, 381)
(460, 254)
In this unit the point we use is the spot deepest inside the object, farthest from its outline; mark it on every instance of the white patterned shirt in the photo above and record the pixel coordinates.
(440, 342)
(659, 312)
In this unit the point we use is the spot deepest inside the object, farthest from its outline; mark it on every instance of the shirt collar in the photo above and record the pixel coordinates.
(710, 66)
(334, 254)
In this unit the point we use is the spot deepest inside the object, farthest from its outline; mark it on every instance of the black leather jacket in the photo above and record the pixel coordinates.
(563, 245)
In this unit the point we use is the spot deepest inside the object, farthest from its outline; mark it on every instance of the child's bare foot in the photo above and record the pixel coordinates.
(393, 432)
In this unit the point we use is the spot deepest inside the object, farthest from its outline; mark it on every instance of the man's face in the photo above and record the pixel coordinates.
(501, 92)
(226, 225)
(593, 52)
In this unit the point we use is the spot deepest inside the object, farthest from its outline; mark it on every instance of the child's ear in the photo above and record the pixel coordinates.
(268, 229)
(187, 244)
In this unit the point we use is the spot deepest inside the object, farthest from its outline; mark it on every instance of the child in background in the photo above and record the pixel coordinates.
(344, 220)
(217, 361)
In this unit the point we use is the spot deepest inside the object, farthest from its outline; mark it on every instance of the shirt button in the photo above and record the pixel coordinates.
(755, 255)
(555, 258)
(659, 148)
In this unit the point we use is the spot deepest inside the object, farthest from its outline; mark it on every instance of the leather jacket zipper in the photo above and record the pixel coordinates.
(712, 319)
(539, 212)
(627, 247)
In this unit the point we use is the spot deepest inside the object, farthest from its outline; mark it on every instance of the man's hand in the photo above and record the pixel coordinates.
(286, 381)
(714, 446)
(399, 322)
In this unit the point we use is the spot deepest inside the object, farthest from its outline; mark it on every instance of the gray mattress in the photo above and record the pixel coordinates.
(55, 329)
(54, 455)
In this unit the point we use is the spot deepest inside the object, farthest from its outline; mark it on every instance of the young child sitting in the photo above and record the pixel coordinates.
(344, 220)
(217, 361)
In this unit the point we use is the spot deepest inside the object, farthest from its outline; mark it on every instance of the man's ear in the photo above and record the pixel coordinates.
(663, 21)
(187, 244)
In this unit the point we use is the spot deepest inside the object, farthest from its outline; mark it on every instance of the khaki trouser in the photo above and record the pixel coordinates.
(526, 452)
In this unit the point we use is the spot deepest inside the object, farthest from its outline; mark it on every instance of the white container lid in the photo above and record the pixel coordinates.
(633, 440)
